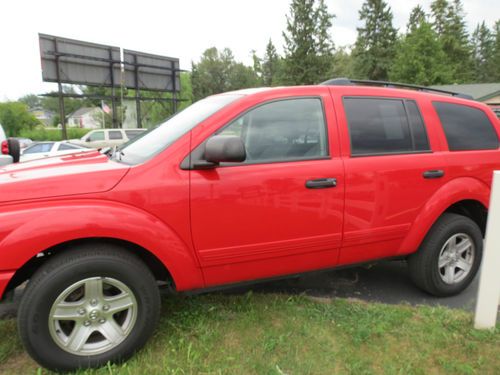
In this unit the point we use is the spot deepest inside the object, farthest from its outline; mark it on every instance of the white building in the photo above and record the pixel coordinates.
(88, 118)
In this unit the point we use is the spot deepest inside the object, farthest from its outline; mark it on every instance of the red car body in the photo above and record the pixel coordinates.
(244, 222)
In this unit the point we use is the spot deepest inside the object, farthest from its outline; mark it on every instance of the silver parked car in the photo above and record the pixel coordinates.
(101, 138)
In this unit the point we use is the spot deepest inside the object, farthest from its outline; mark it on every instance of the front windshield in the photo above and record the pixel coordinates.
(156, 140)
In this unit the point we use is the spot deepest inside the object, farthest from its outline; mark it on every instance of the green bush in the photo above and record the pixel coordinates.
(51, 134)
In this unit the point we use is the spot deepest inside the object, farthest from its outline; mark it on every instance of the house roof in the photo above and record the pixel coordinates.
(82, 111)
(478, 91)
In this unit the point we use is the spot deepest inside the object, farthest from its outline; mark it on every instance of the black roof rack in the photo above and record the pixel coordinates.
(353, 82)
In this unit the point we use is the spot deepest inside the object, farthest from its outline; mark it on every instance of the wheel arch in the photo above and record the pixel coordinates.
(465, 196)
(50, 228)
(155, 265)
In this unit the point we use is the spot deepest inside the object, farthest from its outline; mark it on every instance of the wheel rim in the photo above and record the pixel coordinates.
(456, 258)
(92, 316)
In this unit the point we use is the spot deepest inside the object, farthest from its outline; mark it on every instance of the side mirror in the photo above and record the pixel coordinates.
(224, 149)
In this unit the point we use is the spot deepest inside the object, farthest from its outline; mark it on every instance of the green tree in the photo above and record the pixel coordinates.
(417, 17)
(495, 58)
(219, 72)
(51, 103)
(31, 100)
(420, 58)
(15, 117)
(271, 65)
(448, 22)
(483, 43)
(374, 49)
(308, 44)
(342, 63)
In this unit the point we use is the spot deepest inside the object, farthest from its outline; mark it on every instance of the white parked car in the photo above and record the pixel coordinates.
(9, 149)
(46, 149)
(102, 138)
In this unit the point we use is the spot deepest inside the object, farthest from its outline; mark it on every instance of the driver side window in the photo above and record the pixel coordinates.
(284, 130)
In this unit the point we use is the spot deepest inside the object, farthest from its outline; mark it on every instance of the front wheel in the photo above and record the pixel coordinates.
(449, 257)
(87, 307)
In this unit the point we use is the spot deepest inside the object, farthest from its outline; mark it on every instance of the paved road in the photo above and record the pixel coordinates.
(386, 282)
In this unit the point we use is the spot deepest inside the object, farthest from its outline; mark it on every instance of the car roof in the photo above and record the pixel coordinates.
(360, 90)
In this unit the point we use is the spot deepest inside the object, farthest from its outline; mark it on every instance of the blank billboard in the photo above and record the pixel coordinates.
(155, 73)
(79, 62)
(76, 62)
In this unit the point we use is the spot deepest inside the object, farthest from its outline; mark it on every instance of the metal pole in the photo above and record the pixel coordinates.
(137, 93)
(62, 113)
(488, 294)
(174, 85)
(113, 93)
(102, 110)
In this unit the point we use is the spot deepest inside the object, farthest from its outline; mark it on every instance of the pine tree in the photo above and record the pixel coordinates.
(270, 65)
(374, 49)
(308, 45)
(420, 58)
(417, 17)
(439, 12)
(483, 43)
(495, 58)
(449, 24)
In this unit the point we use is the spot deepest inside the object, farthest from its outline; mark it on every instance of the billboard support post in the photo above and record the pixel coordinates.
(113, 94)
(62, 114)
(137, 94)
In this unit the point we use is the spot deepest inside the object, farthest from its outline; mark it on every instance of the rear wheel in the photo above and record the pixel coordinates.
(87, 307)
(14, 149)
(448, 259)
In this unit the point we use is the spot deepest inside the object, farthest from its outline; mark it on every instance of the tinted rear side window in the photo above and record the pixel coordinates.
(383, 126)
(466, 128)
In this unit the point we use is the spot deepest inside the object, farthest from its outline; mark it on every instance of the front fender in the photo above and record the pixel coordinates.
(26, 230)
(459, 189)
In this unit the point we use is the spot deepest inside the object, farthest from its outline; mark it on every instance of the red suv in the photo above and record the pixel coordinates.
(239, 187)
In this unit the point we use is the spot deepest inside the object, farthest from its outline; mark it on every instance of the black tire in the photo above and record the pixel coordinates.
(14, 149)
(423, 264)
(68, 268)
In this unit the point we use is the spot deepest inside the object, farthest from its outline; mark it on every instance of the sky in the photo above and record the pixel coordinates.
(180, 28)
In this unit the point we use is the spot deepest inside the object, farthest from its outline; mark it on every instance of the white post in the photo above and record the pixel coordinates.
(488, 295)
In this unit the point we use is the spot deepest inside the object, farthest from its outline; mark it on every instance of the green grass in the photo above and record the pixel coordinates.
(277, 334)
(52, 134)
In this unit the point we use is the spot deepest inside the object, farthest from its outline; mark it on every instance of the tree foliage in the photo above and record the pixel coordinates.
(271, 65)
(14, 117)
(448, 22)
(495, 57)
(308, 44)
(420, 58)
(483, 43)
(218, 72)
(374, 49)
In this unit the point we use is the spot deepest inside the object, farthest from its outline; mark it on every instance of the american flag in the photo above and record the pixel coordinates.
(105, 107)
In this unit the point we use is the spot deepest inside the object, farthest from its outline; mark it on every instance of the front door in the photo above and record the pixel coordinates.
(279, 212)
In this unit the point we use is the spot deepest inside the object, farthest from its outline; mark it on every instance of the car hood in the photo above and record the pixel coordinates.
(81, 173)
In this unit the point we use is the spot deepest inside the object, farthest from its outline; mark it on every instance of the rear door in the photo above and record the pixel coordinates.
(392, 168)
(280, 211)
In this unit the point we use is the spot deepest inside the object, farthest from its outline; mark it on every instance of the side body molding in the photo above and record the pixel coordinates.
(456, 190)
(35, 228)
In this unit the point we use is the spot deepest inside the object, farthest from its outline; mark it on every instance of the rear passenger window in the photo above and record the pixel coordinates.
(115, 134)
(385, 126)
(466, 128)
